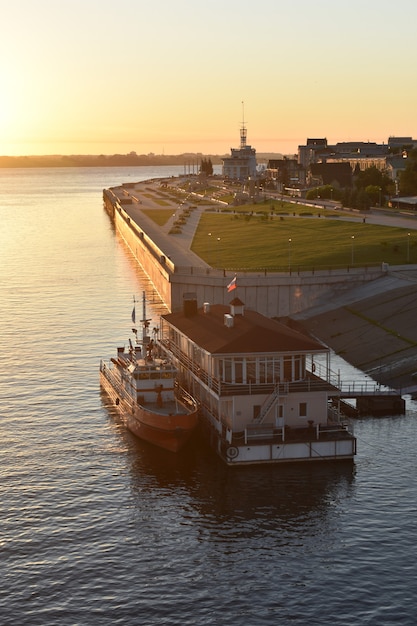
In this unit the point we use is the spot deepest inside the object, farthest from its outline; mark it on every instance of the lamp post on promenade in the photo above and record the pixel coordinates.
(353, 249)
(408, 247)
(289, 255)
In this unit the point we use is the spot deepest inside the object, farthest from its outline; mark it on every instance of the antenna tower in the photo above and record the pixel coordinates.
(243, 129)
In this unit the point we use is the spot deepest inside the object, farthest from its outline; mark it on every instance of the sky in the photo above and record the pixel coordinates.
(169, 77)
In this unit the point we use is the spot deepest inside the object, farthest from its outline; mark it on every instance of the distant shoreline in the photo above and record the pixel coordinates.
(115, 160)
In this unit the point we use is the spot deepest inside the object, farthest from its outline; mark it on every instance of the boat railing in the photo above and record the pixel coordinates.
(286, 434)
(364, 388)
(310, 383)
(192, 366)
(185, 397)
(115, 383)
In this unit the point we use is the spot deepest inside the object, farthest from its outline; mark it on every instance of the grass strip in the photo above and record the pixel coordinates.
(249, 242)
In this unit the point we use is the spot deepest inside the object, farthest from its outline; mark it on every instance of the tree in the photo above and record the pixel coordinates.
(327, 192)
(206, 167)
(374, 194)
(408, 178)
(373, 177)
(375, 184)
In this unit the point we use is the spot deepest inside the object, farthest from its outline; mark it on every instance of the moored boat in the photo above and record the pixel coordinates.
(142, 383)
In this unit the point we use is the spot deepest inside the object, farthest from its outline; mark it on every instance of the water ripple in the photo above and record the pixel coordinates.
(98, 528)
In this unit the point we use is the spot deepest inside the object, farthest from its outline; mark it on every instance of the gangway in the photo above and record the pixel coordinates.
(370, 397)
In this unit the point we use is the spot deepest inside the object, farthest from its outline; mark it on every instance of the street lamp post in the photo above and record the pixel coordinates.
(408, 247)
(289, 255)
(210, 247)
(218, 251)
(353, 249)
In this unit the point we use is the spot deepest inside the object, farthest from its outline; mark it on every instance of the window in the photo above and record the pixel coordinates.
(288, 368)
(269, 370)
(297, 368)
(238, 372)
(225, 370)
(303, 409)
(251, 370)
(266, 370)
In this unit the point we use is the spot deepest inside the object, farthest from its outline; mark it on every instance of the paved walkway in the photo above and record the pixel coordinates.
(176, 247)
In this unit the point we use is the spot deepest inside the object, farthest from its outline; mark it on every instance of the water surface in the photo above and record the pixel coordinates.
(98, 528)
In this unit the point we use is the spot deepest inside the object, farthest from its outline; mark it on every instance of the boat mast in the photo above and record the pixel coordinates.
(144, 321)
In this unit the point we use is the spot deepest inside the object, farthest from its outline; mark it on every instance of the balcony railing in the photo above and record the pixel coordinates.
(310, 383)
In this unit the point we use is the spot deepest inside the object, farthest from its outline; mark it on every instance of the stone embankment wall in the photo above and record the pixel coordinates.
(272, 294)
(151, 258)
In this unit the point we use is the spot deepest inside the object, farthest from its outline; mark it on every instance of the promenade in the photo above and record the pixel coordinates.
(370, 325)
(176, 247)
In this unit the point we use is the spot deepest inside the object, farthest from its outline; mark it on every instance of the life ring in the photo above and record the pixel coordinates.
(313, 368)
(232, 452)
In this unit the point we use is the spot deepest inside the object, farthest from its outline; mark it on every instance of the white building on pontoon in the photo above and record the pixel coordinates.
(255, 378)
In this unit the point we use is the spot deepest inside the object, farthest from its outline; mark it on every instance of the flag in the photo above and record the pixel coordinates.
(134, 315)
(232, 285)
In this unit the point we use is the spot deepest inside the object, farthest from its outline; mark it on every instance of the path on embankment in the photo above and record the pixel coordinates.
(176, 247)
(372, 326)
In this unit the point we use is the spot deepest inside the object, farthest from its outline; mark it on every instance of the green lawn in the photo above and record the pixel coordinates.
(156, 199)
(159, 216)
(243, 242)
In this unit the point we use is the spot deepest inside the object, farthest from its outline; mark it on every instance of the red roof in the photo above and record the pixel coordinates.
(250, 333)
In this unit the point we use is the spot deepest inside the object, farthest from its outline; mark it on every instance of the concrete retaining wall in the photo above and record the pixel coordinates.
(272, 294)
(149, 256)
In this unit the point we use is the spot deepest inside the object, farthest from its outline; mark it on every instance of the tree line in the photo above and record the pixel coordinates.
(371, 187)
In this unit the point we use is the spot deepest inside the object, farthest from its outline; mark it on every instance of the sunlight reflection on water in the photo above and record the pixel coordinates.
(99, 528)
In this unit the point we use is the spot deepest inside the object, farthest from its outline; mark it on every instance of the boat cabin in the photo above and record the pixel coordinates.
(144, 375)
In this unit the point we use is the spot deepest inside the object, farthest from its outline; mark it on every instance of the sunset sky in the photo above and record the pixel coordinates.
(107, 76)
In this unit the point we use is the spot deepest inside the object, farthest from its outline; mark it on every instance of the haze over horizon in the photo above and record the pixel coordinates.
(89, 77)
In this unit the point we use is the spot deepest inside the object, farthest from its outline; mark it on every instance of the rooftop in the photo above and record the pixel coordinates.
(249, 333)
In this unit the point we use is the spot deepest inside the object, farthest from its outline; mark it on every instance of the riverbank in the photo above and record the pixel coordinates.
(373, 328)
(367, 318)
(112, 160)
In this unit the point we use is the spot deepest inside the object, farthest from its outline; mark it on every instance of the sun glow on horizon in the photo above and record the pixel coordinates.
(169, 86)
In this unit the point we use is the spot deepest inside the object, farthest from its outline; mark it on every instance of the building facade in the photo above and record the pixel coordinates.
(241, 165)
(261, 399)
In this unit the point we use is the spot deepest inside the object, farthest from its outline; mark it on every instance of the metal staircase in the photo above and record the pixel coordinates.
(267, 406)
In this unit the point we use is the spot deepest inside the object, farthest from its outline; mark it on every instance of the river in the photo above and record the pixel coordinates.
(98, 528)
